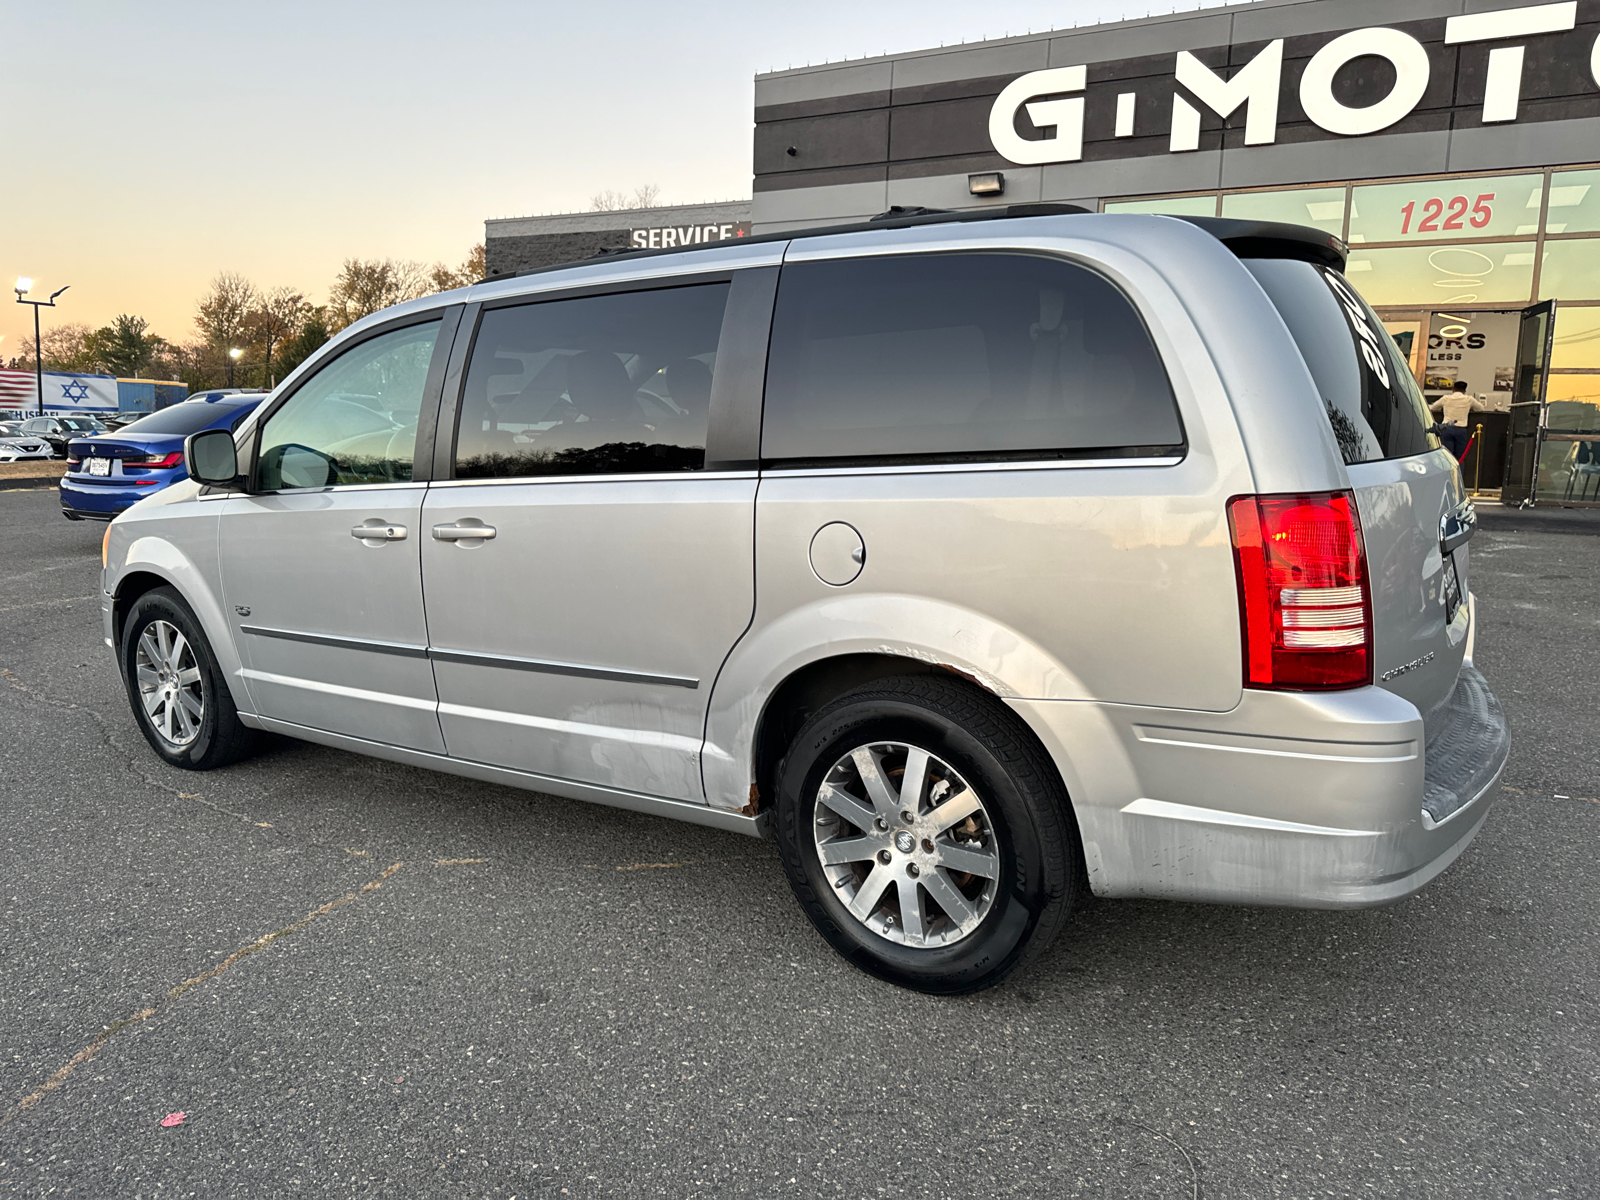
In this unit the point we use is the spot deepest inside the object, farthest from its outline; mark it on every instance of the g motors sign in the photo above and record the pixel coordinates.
(1489, 64)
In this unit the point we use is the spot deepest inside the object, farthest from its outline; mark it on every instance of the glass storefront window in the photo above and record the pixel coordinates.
(1322, 208)
(1432, 275)
(1569, 470)
(1445, 209)
(1177, 206)
(1577, 342)
(1571, 270)
(1574, 202)
(1573, 402)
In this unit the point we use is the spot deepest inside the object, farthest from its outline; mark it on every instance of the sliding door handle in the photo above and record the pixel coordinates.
(468, 529)
(374, 531)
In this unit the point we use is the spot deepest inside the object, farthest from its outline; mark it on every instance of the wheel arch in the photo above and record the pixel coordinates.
(142, 573)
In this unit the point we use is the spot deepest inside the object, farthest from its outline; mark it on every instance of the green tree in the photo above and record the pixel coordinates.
(124, 348)
(66, 348)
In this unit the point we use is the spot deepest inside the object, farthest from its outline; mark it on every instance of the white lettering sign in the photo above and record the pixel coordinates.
(1043, 95)
(1065, 115)
(669, 237)
(1254, 85)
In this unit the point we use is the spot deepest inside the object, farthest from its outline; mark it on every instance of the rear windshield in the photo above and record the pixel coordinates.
(1371, 397)
(182, 419)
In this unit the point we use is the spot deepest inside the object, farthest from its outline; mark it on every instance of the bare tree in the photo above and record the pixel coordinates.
(224, 310)
(363, 288)
(473, 270)
(278, 316)
(647, 196)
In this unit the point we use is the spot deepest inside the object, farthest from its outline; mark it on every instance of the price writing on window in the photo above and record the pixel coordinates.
(1438, 215)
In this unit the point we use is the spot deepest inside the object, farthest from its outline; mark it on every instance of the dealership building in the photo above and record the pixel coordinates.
(1454, 144)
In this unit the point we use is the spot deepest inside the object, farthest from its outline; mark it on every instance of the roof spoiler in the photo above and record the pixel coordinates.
(1275, 239)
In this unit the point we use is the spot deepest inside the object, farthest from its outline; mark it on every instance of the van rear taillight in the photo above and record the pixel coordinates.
(1305, 603)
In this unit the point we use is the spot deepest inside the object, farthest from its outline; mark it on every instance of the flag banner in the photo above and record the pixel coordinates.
(63, 392)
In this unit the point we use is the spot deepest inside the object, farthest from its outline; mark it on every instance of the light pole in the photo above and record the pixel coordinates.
(233, 358)
(24, 286)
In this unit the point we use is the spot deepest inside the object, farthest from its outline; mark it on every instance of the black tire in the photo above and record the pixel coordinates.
(220, 738)
(1040, 857)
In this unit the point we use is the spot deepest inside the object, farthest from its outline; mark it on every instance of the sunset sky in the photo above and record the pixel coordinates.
(149, 146)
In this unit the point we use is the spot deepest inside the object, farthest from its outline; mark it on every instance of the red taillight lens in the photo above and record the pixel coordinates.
(1304, 600)
(169, 460)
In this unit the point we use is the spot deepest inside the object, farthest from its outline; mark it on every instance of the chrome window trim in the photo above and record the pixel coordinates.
(339, 487)
(1055, 464)
(642, 477)
(551, 667)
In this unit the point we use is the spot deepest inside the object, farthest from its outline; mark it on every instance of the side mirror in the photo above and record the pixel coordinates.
(211, 458)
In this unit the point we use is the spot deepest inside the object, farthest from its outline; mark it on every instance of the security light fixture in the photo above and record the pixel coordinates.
(987, 183)
(24, 285)
(235, 353)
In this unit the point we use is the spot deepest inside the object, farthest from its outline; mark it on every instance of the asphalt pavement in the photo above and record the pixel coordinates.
(361, 979)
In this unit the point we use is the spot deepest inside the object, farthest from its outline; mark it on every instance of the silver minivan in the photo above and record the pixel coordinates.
(986, 560)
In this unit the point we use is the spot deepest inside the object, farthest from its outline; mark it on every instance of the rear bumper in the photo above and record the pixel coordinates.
(1338, 800)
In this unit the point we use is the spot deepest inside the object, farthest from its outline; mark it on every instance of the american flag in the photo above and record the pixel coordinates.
(18, 390)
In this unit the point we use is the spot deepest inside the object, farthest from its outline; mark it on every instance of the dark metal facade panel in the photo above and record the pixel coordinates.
(819, 143)
(931, 121)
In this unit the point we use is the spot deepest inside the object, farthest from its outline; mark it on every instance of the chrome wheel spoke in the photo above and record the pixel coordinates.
(871, 891)
(189, 676)
(948, 897)
(150, 647)
(147, 677)
(883, 797)
(911, 910)
(846, 805)
(973, 862)
(916, 773)
(166, 720)
(848, 850)
(190, 703)
(958, 808)
(152, 700)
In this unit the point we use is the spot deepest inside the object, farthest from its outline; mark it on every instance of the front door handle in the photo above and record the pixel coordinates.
(468, 529)
(379, 531)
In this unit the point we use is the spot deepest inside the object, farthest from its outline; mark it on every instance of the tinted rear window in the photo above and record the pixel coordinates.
(960, 356)
(184, 419)
(1371, 397)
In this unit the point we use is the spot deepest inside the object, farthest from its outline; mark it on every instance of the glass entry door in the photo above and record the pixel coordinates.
(1527, 402)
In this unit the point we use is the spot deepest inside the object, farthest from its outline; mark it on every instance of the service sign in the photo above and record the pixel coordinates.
(667, 237)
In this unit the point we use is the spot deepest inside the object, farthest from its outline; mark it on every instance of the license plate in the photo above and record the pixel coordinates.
(99, 466)
(1452, 589)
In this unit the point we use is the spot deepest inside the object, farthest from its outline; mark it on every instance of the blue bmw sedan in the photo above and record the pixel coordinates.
(114, 471)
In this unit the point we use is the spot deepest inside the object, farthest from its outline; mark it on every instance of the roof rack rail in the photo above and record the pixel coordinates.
(1247, 239)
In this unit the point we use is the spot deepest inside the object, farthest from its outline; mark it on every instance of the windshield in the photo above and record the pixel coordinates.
(186, 418)
(81, 424)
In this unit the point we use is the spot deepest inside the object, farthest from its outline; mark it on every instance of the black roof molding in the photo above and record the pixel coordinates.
(1275, 239)
(1247, 239)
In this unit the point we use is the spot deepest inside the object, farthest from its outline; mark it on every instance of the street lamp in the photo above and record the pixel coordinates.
(24, 286)
(233, 358)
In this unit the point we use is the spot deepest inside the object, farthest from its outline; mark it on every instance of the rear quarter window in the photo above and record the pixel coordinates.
(964, 356)
(1368, 392)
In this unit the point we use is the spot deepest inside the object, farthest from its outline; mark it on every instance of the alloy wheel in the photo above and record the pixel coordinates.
(169, 683)
(906, 844)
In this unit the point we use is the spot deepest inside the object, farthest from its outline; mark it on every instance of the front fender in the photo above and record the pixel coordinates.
(181, 551)
(996, 656)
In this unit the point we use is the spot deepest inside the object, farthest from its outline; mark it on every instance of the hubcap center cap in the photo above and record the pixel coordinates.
(904, 842)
